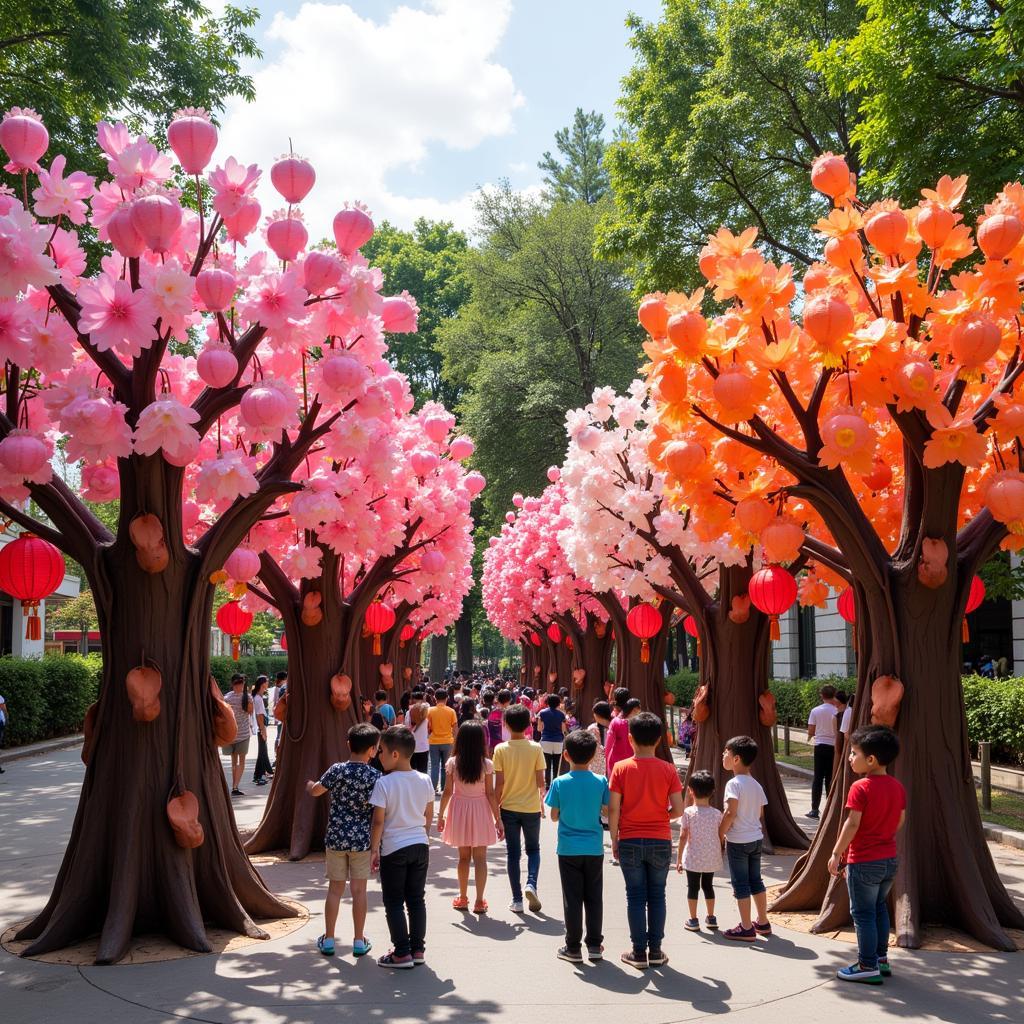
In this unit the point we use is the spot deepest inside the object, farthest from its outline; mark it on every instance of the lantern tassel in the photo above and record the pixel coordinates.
(236, 647)
(376, 643)
(965, 632)
(33, 627)
(645, 651)
(698, 647)
(774, 632)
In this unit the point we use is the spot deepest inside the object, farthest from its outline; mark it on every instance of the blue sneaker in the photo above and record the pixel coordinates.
(855, 972)
(325, 945)
(361, 947)
(884, 968)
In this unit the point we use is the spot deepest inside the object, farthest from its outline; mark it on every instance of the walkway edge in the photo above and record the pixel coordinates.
(35, 749)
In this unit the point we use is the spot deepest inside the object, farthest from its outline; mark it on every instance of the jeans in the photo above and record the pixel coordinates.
(745, 868)
(582, 879)
(645, 864)
(439, 754)
(420, 761)
(529, 824)
(403, 880)
(868, 884)
(824, 756)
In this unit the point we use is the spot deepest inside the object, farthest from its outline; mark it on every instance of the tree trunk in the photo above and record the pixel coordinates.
(946, 874)
(438, 657)
(734, 667)
(123, 873)
(464, 641)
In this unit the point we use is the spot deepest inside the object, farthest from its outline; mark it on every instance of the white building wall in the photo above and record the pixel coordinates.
(834, 652)
(785, 653)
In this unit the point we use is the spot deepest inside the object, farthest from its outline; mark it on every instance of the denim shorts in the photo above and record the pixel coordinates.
(745, 868)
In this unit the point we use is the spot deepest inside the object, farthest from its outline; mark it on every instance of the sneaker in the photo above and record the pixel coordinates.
(812, 814)
(419, 957)
(763, 929)
(692, 925)
(711, 923)
(573, 956)
(595, 952)
(399, 963)
(361, 947)
(259, 782)
(884, 968)
(741, 934)
(325, 945)
(532, 898)
(237, 792)
(516, 906)
(656, 958)
(865, 975)
(615, 862)
(634, 959)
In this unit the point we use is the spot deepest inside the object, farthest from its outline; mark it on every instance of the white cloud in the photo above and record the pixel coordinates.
(361, 99)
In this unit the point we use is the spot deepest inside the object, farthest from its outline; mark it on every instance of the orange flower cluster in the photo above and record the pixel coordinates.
(893, 347)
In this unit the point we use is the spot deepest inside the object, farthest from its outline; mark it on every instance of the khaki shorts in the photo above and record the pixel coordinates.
(343, 865)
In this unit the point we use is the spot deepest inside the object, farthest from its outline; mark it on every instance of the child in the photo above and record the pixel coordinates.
(552, 736)
(742, 832)
(877, 805)
(645, 796)
(577, 801)
(821, 731)
(617, 745)
(403, 810)
(602, 712)
(348, 834)
(518, 786)
(475, 821)
(497, 731)
(386, 711)
(700, 849)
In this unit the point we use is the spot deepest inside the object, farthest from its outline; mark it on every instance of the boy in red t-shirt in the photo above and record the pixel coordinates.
(646, 795)
(877, 805)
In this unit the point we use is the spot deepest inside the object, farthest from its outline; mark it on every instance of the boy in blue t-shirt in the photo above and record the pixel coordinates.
(577, 802)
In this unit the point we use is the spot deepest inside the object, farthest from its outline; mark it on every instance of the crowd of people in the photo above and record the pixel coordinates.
(496, 760)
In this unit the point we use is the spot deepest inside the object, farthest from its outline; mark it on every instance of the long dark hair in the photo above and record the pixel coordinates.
(470, 751)
(246, 699)
(620, 695)
(467, 710)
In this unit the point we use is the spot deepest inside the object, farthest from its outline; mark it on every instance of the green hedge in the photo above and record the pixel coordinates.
(47, 697)
(223, 668)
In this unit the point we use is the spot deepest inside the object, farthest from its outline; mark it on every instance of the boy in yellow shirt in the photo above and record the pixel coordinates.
(519, 787)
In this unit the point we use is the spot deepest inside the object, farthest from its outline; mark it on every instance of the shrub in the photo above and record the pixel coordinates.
(21, 687)
(683, 684)
(995, 712)
(68, 685)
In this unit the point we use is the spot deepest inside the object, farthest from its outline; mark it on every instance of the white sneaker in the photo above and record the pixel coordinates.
(516, 906)
(532, 898)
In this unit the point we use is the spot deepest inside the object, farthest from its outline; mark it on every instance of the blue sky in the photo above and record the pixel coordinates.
(410, 107)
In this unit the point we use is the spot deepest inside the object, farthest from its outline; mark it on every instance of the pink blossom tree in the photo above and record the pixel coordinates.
(197, 446)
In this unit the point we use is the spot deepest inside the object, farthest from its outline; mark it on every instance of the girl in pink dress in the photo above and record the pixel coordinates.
(468, 817)
(616, 745)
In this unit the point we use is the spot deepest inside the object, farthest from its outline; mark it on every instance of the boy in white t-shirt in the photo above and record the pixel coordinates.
(821, 730)
(403, 812)
(742, 831)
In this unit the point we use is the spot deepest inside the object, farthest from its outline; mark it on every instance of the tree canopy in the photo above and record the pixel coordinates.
(580, 174)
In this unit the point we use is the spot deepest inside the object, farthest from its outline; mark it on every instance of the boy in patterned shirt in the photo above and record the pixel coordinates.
(347, 842)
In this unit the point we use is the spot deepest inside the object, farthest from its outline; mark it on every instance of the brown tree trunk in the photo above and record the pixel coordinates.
(464, 641)
(946, 874)
(438, 657)
(123, 873)
(734, 667)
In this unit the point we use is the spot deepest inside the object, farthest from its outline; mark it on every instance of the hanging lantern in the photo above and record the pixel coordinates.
(535, 639)
(690, 625)
(234, 620)
(408, 632)
(846, 605)
(772, 591)
(31, 569)
(284, 642)
(568, 642)
(379, 619)
(644, 621)
(974, 598)
(554, 634)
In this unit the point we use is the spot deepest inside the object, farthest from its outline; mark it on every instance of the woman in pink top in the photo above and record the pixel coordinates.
(616, 743)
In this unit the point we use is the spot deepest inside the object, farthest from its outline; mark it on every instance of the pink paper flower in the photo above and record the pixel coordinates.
(233, 184)
(303, 563)
(227, 477)
(14, 333)
(116, 317)
(95, 426)
(140, 163)
(68, 257)
(167, 424)
(100, 482)
(58, 196)
(274, 299)
(23, 258)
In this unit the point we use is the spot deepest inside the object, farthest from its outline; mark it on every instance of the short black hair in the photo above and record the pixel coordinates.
(620, 695)
(602, 708)
(504, 696)
(381, 695)
(237, 678)
(743, 747)
(828, 691)
(517, 717)
(440, 695)
(877, 741)
(701, 783)
(400, 738)
(281, 675)
(581, 746)
(553, 700)
(842, 696)
(631, 705)
(363, 737)
(646, 729)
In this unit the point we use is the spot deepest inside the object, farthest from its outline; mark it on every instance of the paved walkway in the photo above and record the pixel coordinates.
(494, 970)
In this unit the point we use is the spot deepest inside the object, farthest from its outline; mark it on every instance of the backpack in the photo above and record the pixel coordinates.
(417, 713)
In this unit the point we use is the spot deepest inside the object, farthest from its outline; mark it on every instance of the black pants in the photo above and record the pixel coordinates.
(421, 762)
(263, 764)
(551, 762)
(700, 881)
(581, 891)
(403, 881)
(824, 755)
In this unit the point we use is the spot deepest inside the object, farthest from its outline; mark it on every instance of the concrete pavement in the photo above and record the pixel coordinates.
(496, 969)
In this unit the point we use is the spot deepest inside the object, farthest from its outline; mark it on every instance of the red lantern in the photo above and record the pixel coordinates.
(772, 591)
(568, 642)
(554, 634)
(974, 598)
(535, 639)
(690, 625)
(644, 621)
(234, 620)
(846, 605)
(408, 632)
(284, 642)
(31, 569)
(379, 619)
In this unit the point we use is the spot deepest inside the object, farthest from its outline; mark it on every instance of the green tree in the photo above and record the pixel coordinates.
(78, 62)
(940, 86)
(723, 115)
(581, 174)
(262, 633)
(429, 263)
(78, 613)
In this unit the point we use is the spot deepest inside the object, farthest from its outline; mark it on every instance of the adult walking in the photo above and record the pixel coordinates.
(263, 766)
(240, 702)
(821, 729)
(441, 723)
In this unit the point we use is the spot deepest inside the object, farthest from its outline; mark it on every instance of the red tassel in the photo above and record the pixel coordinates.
(698, 647)
(33, 627)
(236, 647)
(965, 633)
(376, 643)
(645, 651)
(774, 632)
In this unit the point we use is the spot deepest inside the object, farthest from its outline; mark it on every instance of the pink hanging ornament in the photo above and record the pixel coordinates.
(216, 287)
(157, 218)
(352, 228)
(193, 137)
(293, 177)
(217, 366)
